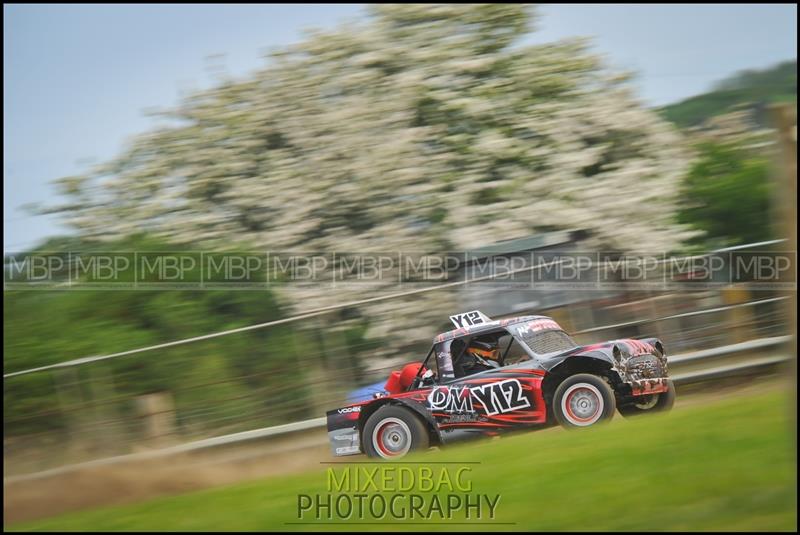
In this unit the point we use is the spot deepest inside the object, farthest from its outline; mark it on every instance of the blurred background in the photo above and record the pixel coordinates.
(493, 131)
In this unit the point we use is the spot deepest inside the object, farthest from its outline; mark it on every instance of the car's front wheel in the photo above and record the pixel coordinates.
(392, 431)
(582, 400)
(662, 402)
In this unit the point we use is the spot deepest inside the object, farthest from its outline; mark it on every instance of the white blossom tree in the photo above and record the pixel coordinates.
(423, 128)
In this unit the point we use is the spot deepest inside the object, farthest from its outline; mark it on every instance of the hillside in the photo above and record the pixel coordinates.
(750, 88)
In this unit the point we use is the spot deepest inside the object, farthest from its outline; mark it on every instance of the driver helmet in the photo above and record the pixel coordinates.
(484, 350)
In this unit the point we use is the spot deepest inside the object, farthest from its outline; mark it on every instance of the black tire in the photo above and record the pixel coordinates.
(583, 400)
(393, 431)
(663, 403)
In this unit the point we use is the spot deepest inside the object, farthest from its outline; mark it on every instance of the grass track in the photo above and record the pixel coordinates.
(728, 465)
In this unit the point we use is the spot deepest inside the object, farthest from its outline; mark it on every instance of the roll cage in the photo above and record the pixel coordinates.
(445, 360)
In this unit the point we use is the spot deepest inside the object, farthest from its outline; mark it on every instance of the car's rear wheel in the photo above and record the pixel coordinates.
(583, 400)
(392, 431)
(662, 402)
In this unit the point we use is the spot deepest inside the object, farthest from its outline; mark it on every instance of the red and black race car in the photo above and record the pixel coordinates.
(506, 375)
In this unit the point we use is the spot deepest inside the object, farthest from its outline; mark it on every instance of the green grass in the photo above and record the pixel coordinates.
(728, 465)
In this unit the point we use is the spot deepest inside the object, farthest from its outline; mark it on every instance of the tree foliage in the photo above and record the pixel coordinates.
(727, 196)
(240, 381)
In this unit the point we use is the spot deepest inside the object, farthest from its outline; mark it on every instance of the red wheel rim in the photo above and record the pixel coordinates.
(582, 404)
(391, 438)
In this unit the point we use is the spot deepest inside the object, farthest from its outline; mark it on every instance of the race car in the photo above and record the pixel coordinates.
(492, 377)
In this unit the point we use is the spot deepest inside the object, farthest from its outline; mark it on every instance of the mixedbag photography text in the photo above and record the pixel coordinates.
(396, 493)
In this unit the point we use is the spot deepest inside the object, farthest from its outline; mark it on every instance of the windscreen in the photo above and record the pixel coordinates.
(544, 336)
(543, 342)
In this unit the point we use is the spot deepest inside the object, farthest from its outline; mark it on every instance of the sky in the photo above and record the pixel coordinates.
(78, 78)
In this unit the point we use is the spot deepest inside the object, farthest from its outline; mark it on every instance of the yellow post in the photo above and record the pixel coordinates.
(785, 218)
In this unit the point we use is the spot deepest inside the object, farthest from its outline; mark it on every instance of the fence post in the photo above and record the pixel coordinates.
(315, 366)
(101, 387)
(158, 413)
(785, 217)
(70, 397)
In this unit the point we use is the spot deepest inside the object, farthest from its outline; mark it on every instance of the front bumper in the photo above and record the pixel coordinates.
(646, 374)
(643, 387)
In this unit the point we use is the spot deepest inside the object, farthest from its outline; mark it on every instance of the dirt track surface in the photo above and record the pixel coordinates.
(135, 481)
(140, 480)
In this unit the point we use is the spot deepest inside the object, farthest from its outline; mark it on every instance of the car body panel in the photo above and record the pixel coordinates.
(507, 398)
